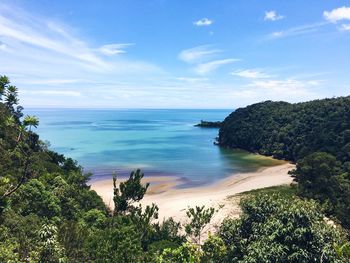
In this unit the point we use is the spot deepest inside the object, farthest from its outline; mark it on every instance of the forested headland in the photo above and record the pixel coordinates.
(48, 213)
(314, 134)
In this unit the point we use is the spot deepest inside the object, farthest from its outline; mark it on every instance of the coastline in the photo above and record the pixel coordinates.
(173, 202)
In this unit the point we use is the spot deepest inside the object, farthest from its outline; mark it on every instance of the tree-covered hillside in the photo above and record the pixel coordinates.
(291, 131)
(315, 135)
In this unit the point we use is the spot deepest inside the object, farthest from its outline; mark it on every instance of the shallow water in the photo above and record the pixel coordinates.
(160, 142)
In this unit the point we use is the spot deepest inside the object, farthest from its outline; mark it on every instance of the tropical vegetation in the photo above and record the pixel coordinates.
(48, 213)
(314, 134)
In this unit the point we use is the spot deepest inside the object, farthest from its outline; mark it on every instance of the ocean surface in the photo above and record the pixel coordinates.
(160, 142)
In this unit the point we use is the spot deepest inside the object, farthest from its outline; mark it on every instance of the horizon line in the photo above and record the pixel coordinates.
(116, 108)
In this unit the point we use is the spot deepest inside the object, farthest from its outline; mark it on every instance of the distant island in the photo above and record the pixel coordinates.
(209, 124)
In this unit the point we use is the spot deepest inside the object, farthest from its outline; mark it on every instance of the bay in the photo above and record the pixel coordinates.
(160, 142)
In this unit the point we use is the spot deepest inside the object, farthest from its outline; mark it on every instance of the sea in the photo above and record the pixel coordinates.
(160, 142)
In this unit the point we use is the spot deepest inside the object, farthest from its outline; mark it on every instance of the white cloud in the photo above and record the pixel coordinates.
(338, 14)
(333, 16)
(3, 46)
(204, 58)
(250, 74)
(43, 81)
(54, 66)
(289, 89)
(295, 31)
(345, 27)
(277, 34)
(192, 80)
(208, 67)
(39, 41)
(203, 22)
(282, 88)
(277, 90)
(66, 93)
(36, 52)
(53, 40)
(198, 54)
(272, 16)
(114, 49)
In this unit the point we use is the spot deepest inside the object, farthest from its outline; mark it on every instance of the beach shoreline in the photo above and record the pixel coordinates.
(173, 202)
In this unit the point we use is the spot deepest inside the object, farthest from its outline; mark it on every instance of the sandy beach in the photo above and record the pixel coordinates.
(173, 202)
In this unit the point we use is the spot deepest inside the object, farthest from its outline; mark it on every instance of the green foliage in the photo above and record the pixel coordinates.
(142, 219)
(49, 250)
(9, 95)
(214, 250)
(199, 218)
(169, 230)
(209, 124)
(8, 247)
(49, 214)
(343, 251)
(315, 134)
(285, 191)
(128, 192)
(43, 195)
(19, 148)
(30, 121)
(290, 131)
(275, 229)
(186, 253)
(315, 173)
(33, 198)
(73, 237)
(4, 82)
(22, 231)
(94, 218)
(165, 235)
(121, 243)
(320, 177)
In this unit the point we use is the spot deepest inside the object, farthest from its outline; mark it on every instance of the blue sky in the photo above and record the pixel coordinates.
(174, 54)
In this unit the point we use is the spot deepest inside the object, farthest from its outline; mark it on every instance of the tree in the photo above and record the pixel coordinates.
(199, 218)
(143, 221)
(343, 251)
(10, 93)
(169, 230)
(314, 134)
(4, 81)
(9, 246)
(186, 253)
(30, 121)
(214, 250)
(276, 229)
(34, 198)
(94, 218)
(17, 150)
(290, 131)
(320, 176)
(315, 173)
(23, 153)
(49, 249)
(121, 243)
(128, 192)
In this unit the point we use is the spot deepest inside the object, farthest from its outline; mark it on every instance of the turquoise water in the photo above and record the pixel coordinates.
(160, 142)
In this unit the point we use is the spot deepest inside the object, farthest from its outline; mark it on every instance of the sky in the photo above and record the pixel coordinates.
(174, 53)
